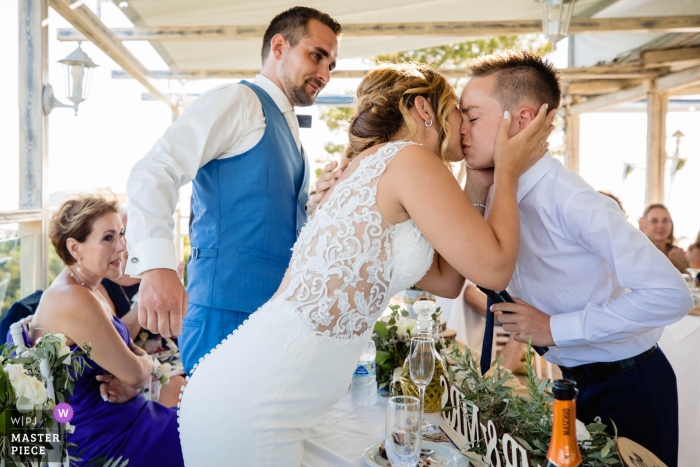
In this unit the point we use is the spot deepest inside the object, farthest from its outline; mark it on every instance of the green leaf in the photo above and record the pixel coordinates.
(606, 449)
(380, 330)
(404, 313)
(382, 356)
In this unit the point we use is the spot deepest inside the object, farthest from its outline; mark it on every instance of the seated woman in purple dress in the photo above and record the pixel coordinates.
(111, 418)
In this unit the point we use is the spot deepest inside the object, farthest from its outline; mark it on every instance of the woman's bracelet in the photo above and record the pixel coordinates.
(479, 205)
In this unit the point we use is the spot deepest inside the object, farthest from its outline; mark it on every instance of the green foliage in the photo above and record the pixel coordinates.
(9, 273)
(527, 419)
(459, 54)
(336, 118)
(10, 270)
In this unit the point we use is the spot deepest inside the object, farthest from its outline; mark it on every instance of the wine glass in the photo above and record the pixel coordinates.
(403, 431)
(421, 363)
(694, 274)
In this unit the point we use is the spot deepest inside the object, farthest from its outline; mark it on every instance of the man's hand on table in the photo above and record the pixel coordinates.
(526, 322)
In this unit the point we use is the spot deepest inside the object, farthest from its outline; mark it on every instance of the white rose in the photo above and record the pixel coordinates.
(64, 350)
(410, 326)
(401, 329)
(62, 338)
(15, 371)
(582, 433)
(33, 395)
(165, 368)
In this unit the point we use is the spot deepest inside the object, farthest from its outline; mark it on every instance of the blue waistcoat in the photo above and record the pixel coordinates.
(247, 212)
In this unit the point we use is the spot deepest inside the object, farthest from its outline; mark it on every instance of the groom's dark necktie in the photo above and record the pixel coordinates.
(487, 345)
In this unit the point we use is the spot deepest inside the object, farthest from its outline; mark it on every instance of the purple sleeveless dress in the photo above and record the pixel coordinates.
(145, 432)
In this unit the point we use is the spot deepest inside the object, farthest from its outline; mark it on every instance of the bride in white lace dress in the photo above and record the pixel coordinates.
(252, 400)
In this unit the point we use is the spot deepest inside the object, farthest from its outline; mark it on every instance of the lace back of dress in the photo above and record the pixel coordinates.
(341, 266)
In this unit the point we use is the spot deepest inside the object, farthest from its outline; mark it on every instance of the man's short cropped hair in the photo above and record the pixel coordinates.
(293, 25)
(520, 75)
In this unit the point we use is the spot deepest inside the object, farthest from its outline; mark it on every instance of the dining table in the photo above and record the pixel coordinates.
(347, 430)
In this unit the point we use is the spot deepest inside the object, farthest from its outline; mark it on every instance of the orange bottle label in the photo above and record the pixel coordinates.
(563, 448)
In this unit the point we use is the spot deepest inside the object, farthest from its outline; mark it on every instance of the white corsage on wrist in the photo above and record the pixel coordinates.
(161, 371)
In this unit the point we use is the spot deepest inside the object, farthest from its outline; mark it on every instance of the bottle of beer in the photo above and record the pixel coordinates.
(563, 447)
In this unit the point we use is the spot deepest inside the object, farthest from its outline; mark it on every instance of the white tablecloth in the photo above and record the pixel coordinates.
(681, 343)
(346, 431)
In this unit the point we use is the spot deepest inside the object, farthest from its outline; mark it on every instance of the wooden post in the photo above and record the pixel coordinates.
(572, 130)
(33, 124)
(657, 104)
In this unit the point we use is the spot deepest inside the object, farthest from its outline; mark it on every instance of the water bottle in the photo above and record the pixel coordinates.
(364, 380)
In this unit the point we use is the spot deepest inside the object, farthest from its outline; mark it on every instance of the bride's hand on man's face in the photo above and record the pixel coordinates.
(518, 153)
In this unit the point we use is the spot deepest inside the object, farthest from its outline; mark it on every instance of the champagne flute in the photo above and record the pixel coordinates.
(403, 432)
(421, 363)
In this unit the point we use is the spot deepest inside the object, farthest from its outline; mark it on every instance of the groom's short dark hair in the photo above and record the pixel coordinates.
(293, 25)
(520, 75)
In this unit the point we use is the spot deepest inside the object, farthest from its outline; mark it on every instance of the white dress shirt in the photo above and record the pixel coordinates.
(608, 289)
(221, 123)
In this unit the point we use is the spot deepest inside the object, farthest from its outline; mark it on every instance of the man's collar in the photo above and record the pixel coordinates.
(275, 93)
(533, 175)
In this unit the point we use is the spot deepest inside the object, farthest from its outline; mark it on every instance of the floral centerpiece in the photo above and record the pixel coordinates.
(526, 415)
(28, 378)
(392, 338)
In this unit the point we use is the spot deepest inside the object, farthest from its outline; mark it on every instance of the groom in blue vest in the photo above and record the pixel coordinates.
(239, 145)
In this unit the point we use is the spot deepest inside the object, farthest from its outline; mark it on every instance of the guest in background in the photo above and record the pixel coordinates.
(111, 417)
(657, 225)
(121, 294)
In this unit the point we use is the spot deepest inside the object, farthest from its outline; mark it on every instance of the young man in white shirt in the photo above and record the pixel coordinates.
(239, 144)
(591, 286)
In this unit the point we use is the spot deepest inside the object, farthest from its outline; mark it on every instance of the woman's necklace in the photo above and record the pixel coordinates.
(79, 281)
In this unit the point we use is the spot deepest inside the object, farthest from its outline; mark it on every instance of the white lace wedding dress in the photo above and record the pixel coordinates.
(252, 400)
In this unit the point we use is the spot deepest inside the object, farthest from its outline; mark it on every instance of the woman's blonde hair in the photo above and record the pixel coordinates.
(384, 100)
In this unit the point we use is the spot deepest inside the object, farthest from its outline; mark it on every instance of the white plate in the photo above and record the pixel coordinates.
(449, 456)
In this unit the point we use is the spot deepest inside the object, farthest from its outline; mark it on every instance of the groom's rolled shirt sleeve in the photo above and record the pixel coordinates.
(658, 295)
(207, 129)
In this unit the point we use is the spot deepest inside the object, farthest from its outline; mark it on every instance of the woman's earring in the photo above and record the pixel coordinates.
(78, 264)
(429, 124)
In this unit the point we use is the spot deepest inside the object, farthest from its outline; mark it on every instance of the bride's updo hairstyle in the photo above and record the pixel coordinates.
(384, 100)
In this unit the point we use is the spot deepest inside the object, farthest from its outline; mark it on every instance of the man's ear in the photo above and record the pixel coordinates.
(278, 45)
(523, 116)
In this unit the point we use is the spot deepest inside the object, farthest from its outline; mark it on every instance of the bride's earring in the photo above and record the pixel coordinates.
(78, 264)
(429, 124)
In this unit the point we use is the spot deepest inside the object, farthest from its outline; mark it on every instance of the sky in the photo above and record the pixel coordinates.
(115, 128)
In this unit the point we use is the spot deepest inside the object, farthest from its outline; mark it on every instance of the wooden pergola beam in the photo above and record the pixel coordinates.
(679, 80)
(443, 29)
(657, 108)
(631, 93)
(93, 29)
(611, 72)
(598, 86)
(660, 57)
(191, 75)
(669, 83)
(568, 74)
